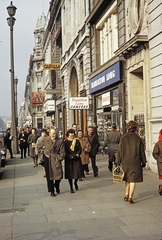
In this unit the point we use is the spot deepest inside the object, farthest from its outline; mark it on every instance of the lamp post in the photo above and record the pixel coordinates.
(11, 9)
(16, 113)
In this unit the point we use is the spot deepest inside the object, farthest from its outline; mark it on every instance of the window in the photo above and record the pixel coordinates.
(108, 34)
(38, 89)
(38, 79)
(81, 72)
(39, 108)
(38, 66)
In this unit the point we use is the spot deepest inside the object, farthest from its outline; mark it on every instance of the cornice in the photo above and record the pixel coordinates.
(132, 46)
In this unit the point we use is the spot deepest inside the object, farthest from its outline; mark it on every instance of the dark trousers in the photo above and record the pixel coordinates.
(50, 183)
(85, 168)
(23, 151)
(94, 167)
(71, 183)
(10, 151)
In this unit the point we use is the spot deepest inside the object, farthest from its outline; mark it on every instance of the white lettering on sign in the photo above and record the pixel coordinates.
(98, 82)
(110, 75)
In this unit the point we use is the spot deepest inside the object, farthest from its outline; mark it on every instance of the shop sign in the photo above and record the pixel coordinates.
(37, 98)
(78, 103)
(106, 78)
(115, 108)
(49, 106)
(105, 99)
(51, 66)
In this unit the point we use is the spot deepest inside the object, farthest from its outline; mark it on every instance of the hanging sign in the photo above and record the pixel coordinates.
(78, 103)
(51, 66)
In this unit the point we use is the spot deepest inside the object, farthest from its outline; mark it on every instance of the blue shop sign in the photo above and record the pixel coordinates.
(106, 78)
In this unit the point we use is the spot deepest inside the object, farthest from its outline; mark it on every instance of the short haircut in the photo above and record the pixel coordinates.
(70, 131)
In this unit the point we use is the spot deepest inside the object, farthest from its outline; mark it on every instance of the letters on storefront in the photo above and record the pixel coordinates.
(110, 76)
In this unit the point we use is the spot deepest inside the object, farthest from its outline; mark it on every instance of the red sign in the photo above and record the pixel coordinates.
(37, 98)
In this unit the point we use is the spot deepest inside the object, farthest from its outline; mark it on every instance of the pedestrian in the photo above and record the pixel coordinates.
(73, 165)
(86, 147)
(32, 139)
(131, 155)
(28, 132)
(60, 135)
(8, 141)
(112, 141)
(93, 140)
(157, 154)
(54, 153)
(75, 127)
(23, 137)
(40, 151)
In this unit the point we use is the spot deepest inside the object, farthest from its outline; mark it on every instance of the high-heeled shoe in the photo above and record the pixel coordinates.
(130, 200)
(126, 198)
(76, 186)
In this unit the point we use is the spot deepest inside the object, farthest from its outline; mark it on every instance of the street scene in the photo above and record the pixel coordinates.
(80, 120)
(96, 211)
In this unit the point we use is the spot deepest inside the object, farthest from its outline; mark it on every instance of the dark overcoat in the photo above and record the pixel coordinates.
(131, 155)
(112, 141)
(157, 154)
(93, 140)
(55, 151)
(23, 140)
(73, 167)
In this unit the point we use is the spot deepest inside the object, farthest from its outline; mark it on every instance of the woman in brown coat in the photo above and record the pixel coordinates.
(157, 154)
(86, 147)
(73, 165)
(131, 155)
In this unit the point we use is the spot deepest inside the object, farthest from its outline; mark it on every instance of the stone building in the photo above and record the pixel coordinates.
(36, 80)
(75, 64)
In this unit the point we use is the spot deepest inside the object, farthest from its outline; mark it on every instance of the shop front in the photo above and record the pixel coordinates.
(108, 94)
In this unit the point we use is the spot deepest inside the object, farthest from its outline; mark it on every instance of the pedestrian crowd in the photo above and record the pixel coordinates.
(49, 148)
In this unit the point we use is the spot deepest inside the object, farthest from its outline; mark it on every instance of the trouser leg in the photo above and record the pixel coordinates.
(50, 184)
(21, 151)
(94, 167)
(57, 185)
(70, 183)
(25, 152)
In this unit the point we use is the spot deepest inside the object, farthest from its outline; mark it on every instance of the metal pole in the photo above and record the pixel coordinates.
(13, 115)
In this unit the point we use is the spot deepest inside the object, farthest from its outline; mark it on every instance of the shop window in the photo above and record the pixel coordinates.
(99, 101)
(39, 123)
(115, 97)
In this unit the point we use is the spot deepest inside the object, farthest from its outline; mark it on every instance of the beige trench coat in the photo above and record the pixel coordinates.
(85, 154)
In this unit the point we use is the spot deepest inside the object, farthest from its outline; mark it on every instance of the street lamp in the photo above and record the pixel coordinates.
(16, 113)
(11, 21)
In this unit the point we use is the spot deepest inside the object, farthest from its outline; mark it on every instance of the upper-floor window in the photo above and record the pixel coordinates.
(38, 79)
(108, 33)
(38, 66)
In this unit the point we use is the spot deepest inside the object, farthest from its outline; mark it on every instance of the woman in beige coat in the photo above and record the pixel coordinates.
(157, 154)
(86, 147)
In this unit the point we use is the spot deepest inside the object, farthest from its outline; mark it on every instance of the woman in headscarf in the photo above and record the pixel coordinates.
(73, 165)
(131, 155)
(157, 154)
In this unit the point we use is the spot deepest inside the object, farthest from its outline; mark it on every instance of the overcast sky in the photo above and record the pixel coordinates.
(26, 16)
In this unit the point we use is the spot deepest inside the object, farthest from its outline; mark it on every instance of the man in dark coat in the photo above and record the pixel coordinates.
(54, 153)
(23, 137)
(8, 142)
(131, 155)
(93, 140)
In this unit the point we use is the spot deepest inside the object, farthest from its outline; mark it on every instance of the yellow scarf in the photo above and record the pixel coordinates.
(72, 147)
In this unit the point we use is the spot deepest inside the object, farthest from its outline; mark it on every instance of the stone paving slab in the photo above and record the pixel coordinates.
(96, 211)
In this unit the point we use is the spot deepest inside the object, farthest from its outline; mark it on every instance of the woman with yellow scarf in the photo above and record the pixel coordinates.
(73, 165)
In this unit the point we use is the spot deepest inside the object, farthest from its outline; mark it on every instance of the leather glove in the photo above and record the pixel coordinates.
(143, 164)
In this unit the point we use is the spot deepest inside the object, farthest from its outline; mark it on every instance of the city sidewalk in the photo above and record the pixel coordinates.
(96, 211)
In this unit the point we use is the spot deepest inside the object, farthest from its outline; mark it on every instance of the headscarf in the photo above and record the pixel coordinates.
(72, 147)
(160, 135)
